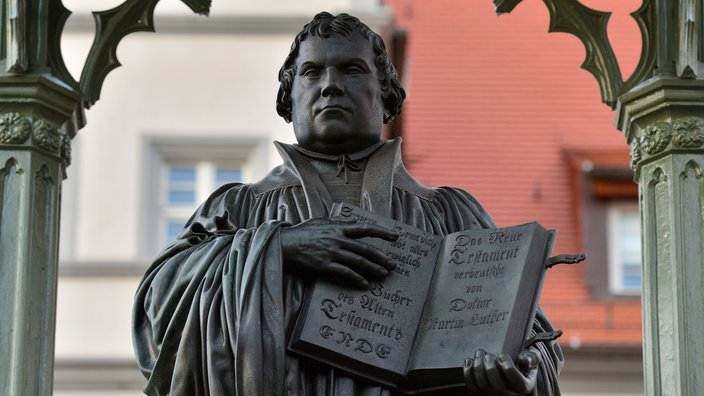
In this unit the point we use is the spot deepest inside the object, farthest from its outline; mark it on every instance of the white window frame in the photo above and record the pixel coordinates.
(247, 153)
(205, 185)
(615, 214)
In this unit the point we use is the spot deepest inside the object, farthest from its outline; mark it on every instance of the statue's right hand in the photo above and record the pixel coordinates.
(330, 247)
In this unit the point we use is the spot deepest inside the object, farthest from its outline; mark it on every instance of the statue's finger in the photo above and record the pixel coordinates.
(360, 264)
(370, 253)
(469, 381)
(493, 373)
(344, 219)
(362, 230)
(323, 221)
(514, 378)
(343, 274)
(478, 371)
(527, 360)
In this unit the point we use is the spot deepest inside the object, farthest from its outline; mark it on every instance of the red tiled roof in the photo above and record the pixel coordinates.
(494, 106)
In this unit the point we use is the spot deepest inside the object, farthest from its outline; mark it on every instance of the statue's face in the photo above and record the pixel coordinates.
(336, 96)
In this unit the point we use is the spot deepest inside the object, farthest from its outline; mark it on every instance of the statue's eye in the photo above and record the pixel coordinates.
(310, 72)
(354, 69)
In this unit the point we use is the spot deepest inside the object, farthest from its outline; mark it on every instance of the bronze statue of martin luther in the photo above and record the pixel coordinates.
(213, 313)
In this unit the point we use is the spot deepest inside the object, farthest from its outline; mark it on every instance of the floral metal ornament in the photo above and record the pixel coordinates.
(659, 137)
(14, 128)
(45, 134)
(688, 132)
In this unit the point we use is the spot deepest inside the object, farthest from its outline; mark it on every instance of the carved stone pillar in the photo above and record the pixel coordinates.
(34, 151)
(664, 123)
(41, 109)
(39, 114)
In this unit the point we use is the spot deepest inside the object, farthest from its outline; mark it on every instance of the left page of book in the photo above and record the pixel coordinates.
(371, 332)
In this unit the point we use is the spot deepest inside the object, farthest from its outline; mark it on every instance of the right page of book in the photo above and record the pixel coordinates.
(483, 295)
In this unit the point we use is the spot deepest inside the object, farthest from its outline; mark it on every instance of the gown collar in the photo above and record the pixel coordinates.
(383, 172)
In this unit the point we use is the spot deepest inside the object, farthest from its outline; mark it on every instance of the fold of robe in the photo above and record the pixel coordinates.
(213, 313)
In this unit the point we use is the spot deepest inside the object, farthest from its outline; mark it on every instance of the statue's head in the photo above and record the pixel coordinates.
(338, 85)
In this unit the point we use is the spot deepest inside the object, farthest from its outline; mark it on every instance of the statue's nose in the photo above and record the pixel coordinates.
(332, 83)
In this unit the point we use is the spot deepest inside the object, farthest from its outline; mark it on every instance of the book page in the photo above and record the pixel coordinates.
(352, 328)
(476, 298)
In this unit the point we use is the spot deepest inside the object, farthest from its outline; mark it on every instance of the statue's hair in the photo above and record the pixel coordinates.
(323, 25)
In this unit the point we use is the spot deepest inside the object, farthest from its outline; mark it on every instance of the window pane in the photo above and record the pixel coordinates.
(182, 197)
(631, 282)
(631, 275)
(172, 230)
(628, 248)
(181, 174)
(181, 186)
(227, 175)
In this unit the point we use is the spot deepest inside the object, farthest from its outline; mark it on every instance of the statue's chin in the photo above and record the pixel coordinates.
(337, 143)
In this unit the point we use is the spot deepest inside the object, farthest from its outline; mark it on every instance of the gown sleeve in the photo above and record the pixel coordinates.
(211, 305)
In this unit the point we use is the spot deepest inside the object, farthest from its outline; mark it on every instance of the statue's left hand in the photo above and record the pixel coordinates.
(490, 375)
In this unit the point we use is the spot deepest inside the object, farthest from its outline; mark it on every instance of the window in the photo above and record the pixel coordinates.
(624, 247)
(186, 185)
(607, 198)
(184, 170)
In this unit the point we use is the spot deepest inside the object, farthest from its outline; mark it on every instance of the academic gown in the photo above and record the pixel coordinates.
(213, 313)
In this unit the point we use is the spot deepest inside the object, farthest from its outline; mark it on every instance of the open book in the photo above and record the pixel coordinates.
(446, 298)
